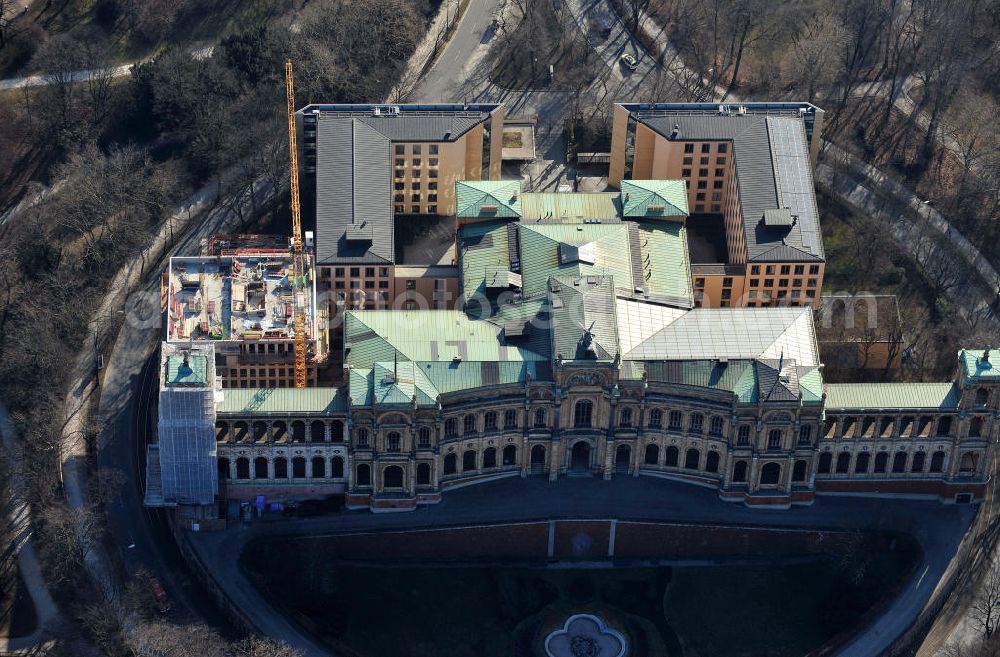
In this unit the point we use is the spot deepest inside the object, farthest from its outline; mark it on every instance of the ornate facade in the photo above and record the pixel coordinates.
(592, 421)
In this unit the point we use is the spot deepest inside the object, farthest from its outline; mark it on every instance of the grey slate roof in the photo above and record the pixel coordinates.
(354, 209)
(353, 193)
(579, 304)
(771, 158)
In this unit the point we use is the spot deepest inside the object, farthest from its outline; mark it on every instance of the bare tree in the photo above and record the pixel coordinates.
(985, 608)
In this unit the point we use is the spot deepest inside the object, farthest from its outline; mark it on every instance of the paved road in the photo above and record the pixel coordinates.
(938, 528)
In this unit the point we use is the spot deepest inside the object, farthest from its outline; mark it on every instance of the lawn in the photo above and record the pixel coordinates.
(485, 611)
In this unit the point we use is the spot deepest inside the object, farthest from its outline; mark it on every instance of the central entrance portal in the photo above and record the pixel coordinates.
(580, 458)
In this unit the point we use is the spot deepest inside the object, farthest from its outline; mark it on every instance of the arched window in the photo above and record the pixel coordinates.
(364, 475)
(298, 468)
(423, 474)
(676, 420)
(697, 420)
(937, 461)
(799, 471)
(538, 455)
(944, 426)
(424, 437)
(976, 427)
(652, 454)
(540, 418)
(968, 463)
(279, 432)
(671, 456)
(281, 468)
(337, 467)
(259, 431)
(655, 418)
(770, 474)
(223, 465)
(625, 418)
(774, 439)
(240, 432)
(582, 413)
(318, 431)
(899, 462)
(469, 460)
(450, 428)
(469, 424)
(393, 441)
(982, 397)
(740, 472)
(337, 431)
(490, 457)
(623, 458)
(242, 468)
(743, 435)
(843, 462)
(825, 462)
(362, 437)
(712, 462)
(490, 421)
(881, 461)
(861, 463)
(450, 464)
(221, 432)
(318, 467)
(691, 459)
(260, 468)
(298, 431)
(805, 434)
(917, 465)
(510, 419)
(392, 477)
(716, 426)
(510, 455)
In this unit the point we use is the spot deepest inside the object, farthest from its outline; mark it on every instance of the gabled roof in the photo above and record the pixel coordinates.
(771, 158)
(734, 333)
(876, 396)
(281, 401)
(654, 198)
(353, 193)
(490, 199)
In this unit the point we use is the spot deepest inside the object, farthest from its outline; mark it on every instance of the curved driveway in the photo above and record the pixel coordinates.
(937, 528)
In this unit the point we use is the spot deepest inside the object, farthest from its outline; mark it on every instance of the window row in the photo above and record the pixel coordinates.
(264, 468)
(863, 463)
(278, 431)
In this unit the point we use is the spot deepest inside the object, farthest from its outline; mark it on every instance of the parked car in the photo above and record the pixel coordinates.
(159, 595)
(630, 62)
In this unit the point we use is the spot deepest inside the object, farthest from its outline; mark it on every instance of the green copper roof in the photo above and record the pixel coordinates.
(482, 252)
(487, 199)
(975, 367)
(891, 395)
(654, 198)
(598, 250)
(281, 401)
(665, 262)
(811, 386)
(425, 335)
(570, 207)
(192, 373)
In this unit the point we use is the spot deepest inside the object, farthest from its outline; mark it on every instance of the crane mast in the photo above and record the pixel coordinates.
(298, 257)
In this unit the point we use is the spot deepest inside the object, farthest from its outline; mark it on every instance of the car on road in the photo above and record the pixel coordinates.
(630, 62)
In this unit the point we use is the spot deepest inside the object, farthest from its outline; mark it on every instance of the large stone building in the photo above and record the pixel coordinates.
(576, 345)
(754, 224)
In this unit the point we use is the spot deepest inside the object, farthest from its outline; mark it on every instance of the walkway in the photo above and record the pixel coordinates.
(19, 517)
(936, 527)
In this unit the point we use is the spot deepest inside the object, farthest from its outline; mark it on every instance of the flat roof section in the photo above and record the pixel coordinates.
(245, 297)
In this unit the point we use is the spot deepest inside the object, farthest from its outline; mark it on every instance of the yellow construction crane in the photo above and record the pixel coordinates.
(298, 257)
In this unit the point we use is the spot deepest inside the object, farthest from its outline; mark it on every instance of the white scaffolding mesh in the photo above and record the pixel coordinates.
(187, 445)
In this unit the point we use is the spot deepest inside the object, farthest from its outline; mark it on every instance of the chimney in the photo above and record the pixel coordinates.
(675, 131)
(986, 354)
